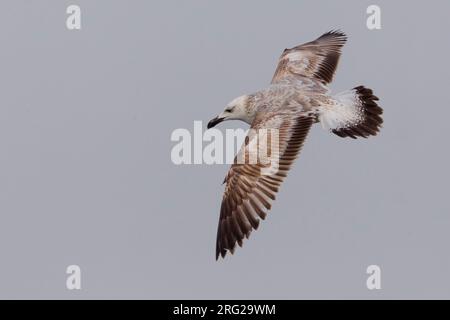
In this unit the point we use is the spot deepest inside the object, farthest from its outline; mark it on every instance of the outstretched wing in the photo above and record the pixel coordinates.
(251, 187)
(314, 60)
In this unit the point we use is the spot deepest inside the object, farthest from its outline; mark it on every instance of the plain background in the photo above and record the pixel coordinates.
(86, 176)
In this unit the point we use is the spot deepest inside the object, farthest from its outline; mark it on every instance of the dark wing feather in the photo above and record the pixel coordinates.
(249, 193)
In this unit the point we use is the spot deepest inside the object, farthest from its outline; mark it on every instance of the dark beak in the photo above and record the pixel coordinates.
(214, 121)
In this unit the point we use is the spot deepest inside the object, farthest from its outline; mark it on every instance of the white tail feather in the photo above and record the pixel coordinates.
(352, 113)
(343, 112)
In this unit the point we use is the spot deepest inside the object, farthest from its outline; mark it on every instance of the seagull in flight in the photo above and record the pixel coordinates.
(297, 97)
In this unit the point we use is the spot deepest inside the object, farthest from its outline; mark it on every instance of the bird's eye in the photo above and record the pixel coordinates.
(229, 109)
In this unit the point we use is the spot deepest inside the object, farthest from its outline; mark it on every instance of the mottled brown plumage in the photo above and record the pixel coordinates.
(248, 194)
(297, 98)
(317, 59)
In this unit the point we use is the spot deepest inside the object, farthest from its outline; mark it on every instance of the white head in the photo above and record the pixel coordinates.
(241, 108)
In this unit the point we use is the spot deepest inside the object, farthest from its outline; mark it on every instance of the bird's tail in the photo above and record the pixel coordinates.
(352, 113)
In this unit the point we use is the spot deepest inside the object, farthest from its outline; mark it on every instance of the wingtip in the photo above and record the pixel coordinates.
(336, 33)
(220, 254)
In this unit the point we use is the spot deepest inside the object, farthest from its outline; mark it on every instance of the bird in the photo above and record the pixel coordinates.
(297, 98)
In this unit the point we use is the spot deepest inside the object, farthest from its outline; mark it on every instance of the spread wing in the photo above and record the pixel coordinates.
(251, 187)
(316, 60)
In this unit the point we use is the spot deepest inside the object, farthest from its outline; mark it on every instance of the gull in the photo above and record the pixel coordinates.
(297, 97)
